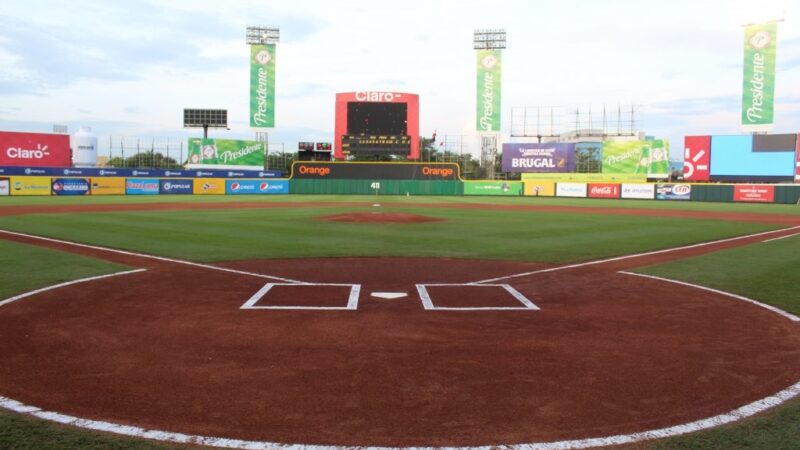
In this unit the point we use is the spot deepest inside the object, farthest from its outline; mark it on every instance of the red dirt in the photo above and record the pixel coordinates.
(379, 217)
(607, 354)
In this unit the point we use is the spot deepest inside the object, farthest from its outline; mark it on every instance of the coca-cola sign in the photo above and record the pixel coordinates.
(603, 190)
(34, 149)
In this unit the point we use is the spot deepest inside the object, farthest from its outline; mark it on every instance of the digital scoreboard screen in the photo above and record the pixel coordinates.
(376, 128)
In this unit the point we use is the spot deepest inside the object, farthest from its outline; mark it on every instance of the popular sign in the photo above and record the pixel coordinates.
(34, 149)
(539, 157)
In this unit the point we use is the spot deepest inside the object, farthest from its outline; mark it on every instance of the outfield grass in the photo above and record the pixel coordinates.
(755, 208)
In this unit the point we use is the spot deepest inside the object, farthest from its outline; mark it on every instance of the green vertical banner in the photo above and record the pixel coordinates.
(659, 159)
(262, 86)
(488, 114)
(758, 96)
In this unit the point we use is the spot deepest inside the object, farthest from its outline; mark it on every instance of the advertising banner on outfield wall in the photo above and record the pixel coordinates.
(603, 190)
(507, 188)
(638, 191)
(755, 193)
(673, 192)
(758, 92)
(658, 165)
(30, 185)
(540, 188)
(252, 187)
(697, 158)
(108, 186)
(175, 186)
(539, 157)
(488, 90)
(70, 186)
(262, 86)
(214, 186)
(4, 186)
(34, 149)
(226, 153)
(375, 171)
(797, 162)
(571, 189)
(141, 186)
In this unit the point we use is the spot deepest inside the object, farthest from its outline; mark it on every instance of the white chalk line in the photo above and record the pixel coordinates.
(635, 255)
(782, 237)
(427, 302)
(778, 311)
(352, 298)
(159, 258)
(748, 410)
(68, 283)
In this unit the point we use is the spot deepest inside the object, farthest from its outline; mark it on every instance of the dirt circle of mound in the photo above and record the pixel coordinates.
(380, 217)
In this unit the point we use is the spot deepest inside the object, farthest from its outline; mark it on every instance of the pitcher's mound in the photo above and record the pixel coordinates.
(380, 217)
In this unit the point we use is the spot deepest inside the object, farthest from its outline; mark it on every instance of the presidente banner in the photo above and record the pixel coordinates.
(508, 188)
(375, 171)
(547, 158)
(4, 186)
(30, 186)
(250, 187)
(758, 92)
(34, 149)
(262, 86)
(226, 153)
(488, 89)
(70, 186)
(108, 186)
(658, 165)
(626, 158)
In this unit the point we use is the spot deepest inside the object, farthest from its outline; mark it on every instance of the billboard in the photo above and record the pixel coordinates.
(141, 186)
(697, 158)
(34, 149)
(586, 177)
(542, 188)
(208, 186)
(250, 187)
(262, 86)
(571, 189)
(507, 188)
(108, 186)
(753, 158)
(70, 186)
(626, 157)
(758, 91)
(539, 157)
(673, 192)
(375, 171)
(797, 164)
(638, 191)
(226, 153)
(603, 190)
(488, 90)
(4, 186)
(758, 193)
(175, 186)
(30, 186)
(658, 165)
(393, 116)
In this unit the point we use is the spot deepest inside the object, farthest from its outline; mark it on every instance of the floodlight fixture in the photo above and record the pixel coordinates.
(489, 39)
(263, 35)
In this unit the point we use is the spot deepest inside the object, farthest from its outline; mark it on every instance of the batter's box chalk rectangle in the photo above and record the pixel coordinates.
(473, 297)
(306, 296)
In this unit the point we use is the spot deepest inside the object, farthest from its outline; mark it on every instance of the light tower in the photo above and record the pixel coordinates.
(488, 44)
(262, 40)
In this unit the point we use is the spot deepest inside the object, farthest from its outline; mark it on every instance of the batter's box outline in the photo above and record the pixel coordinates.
(352, 300)
(427, 302)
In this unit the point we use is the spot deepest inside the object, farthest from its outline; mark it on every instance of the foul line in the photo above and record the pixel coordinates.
(782, 237)
(68, 283)
(783, 313)
(635, 255)
(133, 431)
(159, 258)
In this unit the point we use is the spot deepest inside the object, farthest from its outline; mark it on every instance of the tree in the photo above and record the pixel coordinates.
(152, 160)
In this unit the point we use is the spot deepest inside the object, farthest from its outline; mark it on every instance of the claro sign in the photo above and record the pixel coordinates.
(34, 149)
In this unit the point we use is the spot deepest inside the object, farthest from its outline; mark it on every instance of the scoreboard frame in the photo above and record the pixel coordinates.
(342, 140)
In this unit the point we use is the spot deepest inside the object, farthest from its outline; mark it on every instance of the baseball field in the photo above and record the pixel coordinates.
(357, 321)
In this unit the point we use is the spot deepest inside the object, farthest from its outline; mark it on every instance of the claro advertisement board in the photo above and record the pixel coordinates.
(34, 149)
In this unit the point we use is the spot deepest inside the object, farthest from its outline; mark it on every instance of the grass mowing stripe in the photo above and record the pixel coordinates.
(220, 235)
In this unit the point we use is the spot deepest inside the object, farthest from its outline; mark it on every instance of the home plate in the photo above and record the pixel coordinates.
(389, 295)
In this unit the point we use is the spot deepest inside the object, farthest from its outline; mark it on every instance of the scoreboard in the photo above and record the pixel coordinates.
(363, 144)
(376, 123)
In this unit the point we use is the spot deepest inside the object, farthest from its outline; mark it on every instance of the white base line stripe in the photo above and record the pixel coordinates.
(782, 237)
(68, 283)
(127, 430)
(352, 298)
(781, 312)
(635, 255)
(159, 258)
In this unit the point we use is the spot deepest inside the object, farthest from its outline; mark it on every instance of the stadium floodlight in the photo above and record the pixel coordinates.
(489, 39)
(205, 119)
(263, 35)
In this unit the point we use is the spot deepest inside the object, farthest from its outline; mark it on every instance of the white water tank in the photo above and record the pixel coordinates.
(84, 148)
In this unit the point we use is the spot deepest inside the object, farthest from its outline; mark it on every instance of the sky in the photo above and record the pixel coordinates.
(129, 68)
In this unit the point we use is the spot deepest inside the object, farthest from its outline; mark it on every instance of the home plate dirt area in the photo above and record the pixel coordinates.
(392, 351)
